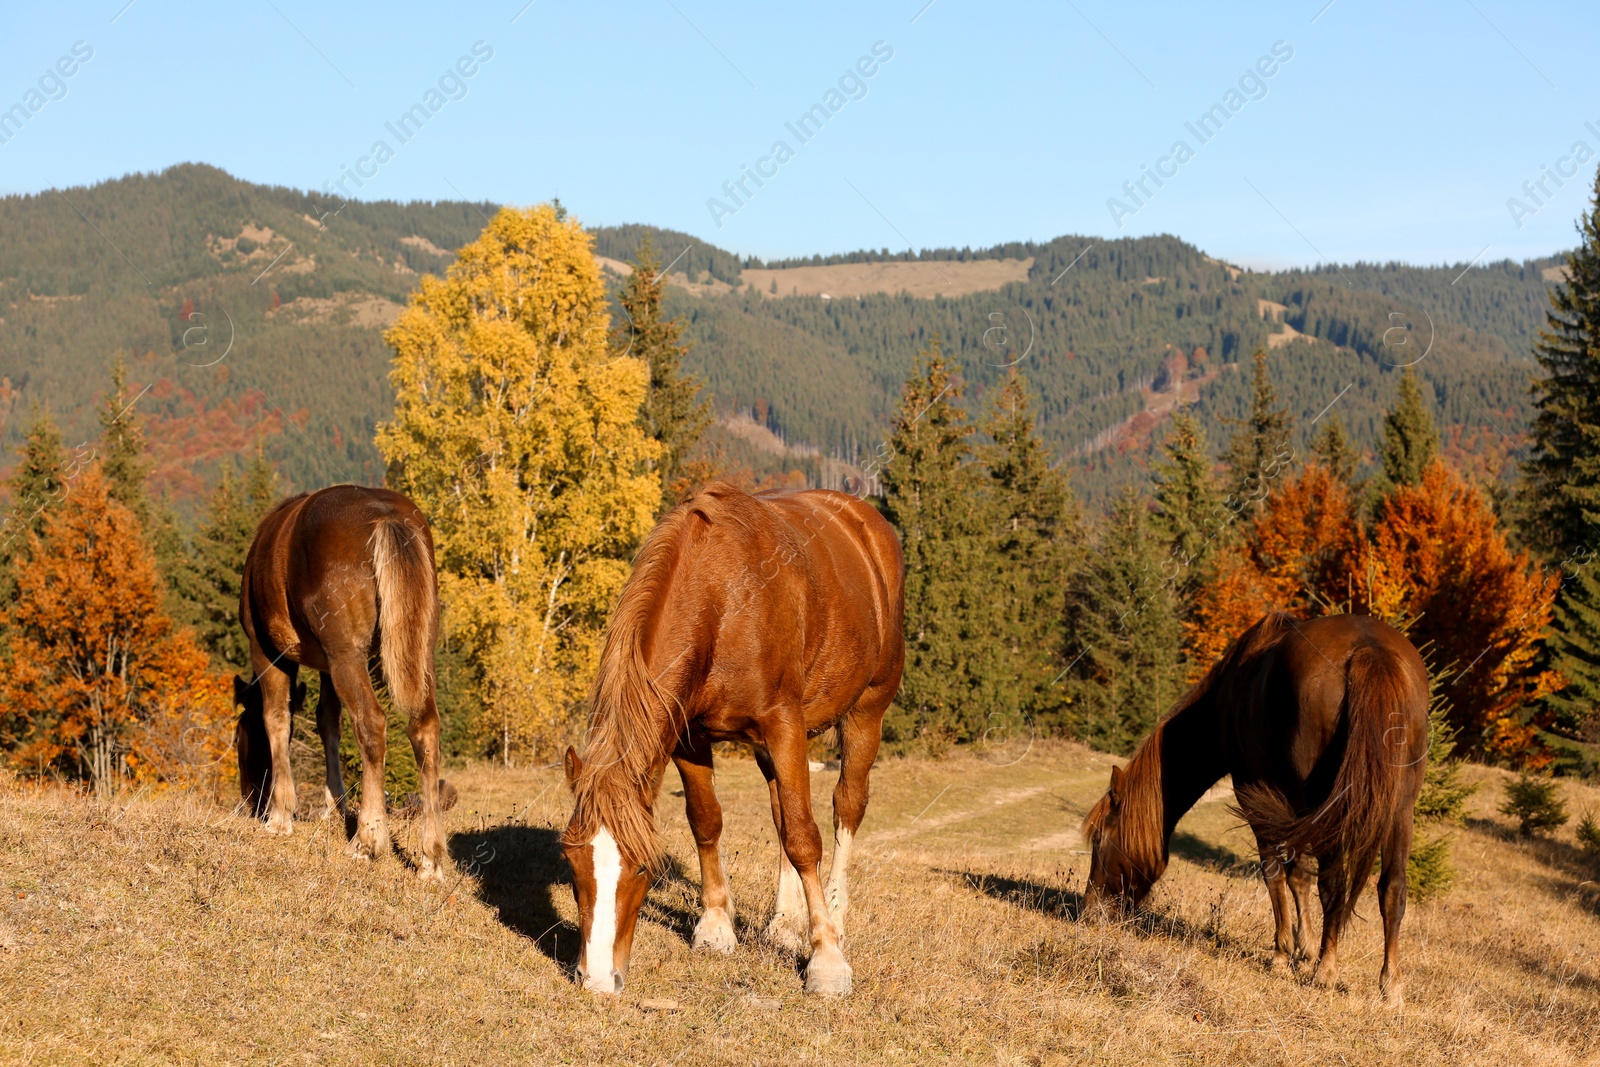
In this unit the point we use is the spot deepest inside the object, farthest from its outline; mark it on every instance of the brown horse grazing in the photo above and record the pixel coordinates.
(1324, 727)
(333, 580)
(764, 619)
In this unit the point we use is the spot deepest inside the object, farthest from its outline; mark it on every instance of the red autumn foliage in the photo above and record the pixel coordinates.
(100, 686)
(1433, 557)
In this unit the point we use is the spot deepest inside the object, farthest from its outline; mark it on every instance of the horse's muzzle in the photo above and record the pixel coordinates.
(595, 984)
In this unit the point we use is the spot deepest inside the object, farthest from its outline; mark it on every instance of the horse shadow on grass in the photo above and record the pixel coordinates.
(1067, 904)
(520, 869)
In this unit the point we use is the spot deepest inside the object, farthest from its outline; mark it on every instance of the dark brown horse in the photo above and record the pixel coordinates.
(1324, 727)
(764, 619)
(336, 580)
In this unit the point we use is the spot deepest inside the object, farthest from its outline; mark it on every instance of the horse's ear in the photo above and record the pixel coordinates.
(573, 766)
(1119, 777)
(241, 689)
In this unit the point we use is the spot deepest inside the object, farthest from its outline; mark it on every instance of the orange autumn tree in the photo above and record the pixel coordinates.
(100, 687)
(1438, 554)
(1433, 558)
(1302, 548)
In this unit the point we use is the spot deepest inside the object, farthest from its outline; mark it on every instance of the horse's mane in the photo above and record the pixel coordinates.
(632, 717)
(1143, 823)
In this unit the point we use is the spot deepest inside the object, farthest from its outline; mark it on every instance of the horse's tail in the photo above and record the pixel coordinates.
(408, 611)
(1346, 830)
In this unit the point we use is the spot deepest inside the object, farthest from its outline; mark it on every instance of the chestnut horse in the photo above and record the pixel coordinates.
(1324, 727)
(765, 619)
(333, 581)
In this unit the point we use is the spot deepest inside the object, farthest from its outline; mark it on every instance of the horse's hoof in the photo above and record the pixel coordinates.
(828, 975)
(431, 872)
(280, 826)
(1394, 994)
(1324, 978)
(714, 932)
(1279, 964)
(785, 932)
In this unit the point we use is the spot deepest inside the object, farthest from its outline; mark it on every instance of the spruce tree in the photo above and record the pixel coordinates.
(38, 481)
(1561, 477)
(37, 486)
(1409, 439)
(934, 498)
(122, 450)
(1036, 539)
(1188, 516)
(1572, 645)
(220, 546)
(1333, 448)
(673, 413)
(1260, 446)
(1124, 633)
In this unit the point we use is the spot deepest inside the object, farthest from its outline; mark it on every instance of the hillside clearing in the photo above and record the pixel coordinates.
(166, 930)
(939, 277)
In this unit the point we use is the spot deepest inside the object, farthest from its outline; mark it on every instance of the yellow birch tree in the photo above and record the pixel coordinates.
(517, 431)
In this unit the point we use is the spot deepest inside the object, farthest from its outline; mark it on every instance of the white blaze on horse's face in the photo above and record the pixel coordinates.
(608, 906)
(599, 974)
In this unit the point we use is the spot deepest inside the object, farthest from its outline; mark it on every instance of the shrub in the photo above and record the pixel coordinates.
(1589, 834)
(1534, 803)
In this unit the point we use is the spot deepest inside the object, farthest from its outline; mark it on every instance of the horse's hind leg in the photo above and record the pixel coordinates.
(1300, 880)
(714, 931)
(859, 735)
(787, 930)
(1274, 872)
(328, 712)
(1392, 903)
(423, 730)
(276, 683)
(1338, 900)
(354, 686)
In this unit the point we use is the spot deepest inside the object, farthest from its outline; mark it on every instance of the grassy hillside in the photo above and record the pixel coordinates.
(254, 312)
(167, 930)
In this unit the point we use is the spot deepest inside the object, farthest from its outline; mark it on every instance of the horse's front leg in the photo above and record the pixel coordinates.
(714, 931)
(827, 973)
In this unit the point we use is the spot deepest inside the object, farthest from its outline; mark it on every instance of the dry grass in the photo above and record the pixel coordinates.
(166, 930)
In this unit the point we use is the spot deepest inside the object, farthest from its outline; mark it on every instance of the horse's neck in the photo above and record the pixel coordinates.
(1191, 760)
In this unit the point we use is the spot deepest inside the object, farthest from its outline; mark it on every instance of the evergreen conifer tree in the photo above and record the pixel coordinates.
(1561, 478)
(1409, 438)
(1124, 633)
(122, 450)
(1260, 445)
(1572, 645)
(1036, 537)
(1333, 448)
(1189, 516)
(934, 497)
(673, 414)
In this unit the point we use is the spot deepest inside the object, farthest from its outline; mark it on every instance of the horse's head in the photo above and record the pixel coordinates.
(1121, 867)
(610, 887)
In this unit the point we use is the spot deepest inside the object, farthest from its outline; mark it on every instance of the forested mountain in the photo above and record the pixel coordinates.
(254, 313)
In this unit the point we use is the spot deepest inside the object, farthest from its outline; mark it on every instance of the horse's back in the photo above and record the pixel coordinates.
(310, 563)
(1294, 701)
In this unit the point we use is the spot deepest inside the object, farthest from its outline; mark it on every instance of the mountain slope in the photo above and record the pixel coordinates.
(254, 313)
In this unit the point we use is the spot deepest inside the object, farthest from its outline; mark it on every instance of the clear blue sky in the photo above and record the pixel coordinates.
(1396, 131)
